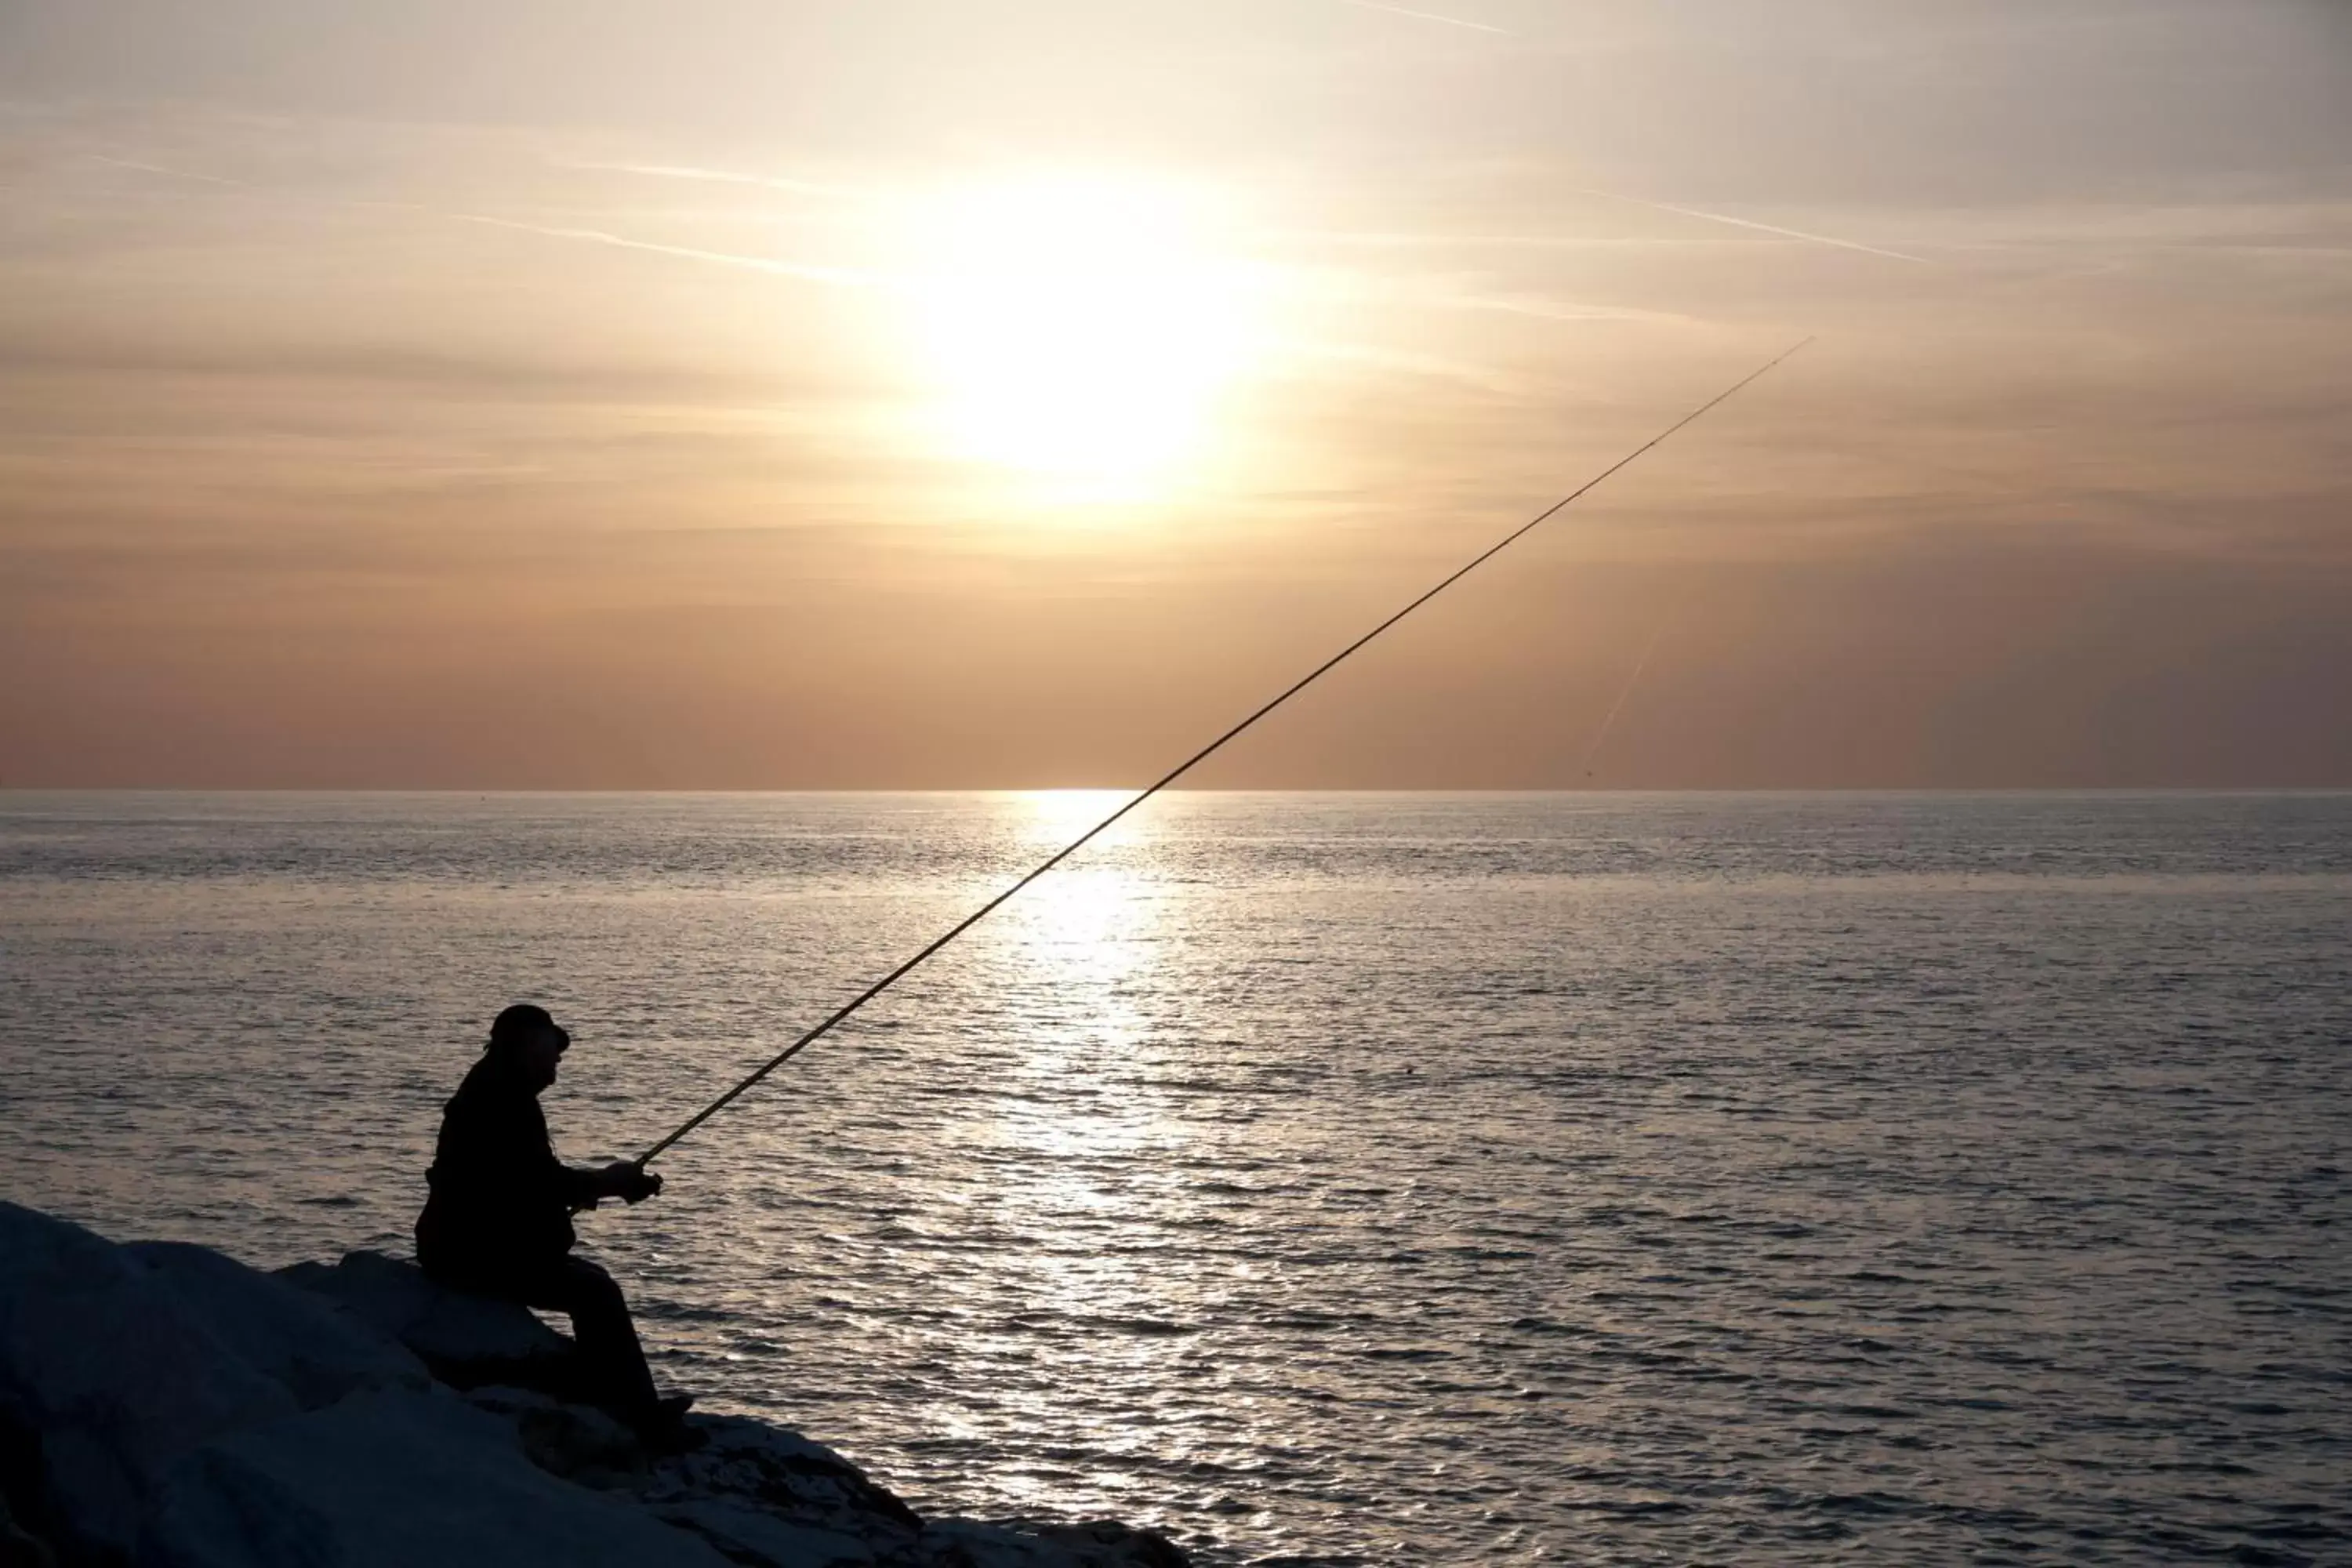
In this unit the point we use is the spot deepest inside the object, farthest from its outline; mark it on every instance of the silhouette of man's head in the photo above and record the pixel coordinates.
(526, 1036)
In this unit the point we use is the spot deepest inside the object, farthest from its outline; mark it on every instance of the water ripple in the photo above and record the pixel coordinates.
(1324, 1179)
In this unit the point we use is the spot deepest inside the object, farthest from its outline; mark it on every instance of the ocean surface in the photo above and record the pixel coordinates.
(1323, 1180)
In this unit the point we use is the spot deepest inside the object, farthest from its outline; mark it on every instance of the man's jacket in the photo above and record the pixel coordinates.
(500, 1200)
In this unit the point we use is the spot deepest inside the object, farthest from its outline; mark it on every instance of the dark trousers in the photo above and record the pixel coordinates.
(611, 1358)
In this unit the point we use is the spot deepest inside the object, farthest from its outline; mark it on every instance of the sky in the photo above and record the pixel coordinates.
(743, 394)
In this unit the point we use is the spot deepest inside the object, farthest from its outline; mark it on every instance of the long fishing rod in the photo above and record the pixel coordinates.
(1188, 764)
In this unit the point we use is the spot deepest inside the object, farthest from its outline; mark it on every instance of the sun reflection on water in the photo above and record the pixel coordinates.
(1069, 1145)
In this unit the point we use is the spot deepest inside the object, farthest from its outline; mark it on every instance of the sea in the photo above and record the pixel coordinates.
(1320, 1179)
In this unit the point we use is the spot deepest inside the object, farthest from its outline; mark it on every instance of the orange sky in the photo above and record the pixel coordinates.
(921, 392)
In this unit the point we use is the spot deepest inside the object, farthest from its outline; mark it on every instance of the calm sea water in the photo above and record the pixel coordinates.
(1324, 1179)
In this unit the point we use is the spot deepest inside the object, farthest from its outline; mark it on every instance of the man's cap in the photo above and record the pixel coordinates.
(522, 1021)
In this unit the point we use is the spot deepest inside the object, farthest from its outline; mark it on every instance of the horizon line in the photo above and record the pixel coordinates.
(547, 790)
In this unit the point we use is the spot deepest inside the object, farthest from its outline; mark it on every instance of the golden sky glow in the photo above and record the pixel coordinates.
(928, 394)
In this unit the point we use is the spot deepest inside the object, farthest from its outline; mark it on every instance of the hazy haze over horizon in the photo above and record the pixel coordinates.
(911, 394)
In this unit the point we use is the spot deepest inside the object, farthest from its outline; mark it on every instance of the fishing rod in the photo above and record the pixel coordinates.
(1188, 764)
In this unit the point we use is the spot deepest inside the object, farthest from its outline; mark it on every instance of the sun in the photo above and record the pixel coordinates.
(1082, 329)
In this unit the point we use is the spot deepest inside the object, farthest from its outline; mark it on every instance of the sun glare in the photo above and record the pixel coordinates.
(1083, 330)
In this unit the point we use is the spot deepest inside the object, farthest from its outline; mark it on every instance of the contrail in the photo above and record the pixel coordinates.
(831, 277)
(171, 173)
(1584, 763)
(1748, 223)
(1643, 202)
(1429, 17)
(1545, 310)
(834, 277)
(720, 176)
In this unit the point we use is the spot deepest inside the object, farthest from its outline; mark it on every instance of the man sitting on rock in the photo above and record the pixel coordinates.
(499, 1222)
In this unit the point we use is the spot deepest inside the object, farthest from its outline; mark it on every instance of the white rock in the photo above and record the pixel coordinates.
(746, 1535)
(754, 1464)
(578, 1442)
(319, 1351)
(100, 1361)
(394, 1479)
(453, 1334)
(186, 1411)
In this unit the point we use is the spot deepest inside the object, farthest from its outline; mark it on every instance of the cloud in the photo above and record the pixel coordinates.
(719, 176)
(146, 168)
(272, 462)
(1429, 17)
(799, 271)
(1759, 227)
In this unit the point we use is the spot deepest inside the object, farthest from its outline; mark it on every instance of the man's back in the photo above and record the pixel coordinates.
(500, 1196)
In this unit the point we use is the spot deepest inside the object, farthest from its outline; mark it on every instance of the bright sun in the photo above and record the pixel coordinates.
(1083, 331)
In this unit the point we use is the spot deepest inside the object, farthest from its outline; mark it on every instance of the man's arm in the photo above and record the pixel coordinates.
(622, 1179)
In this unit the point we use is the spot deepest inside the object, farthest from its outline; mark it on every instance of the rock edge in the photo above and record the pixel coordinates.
(163, 1405)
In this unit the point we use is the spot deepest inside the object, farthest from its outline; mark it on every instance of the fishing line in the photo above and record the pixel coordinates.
(1188, 764)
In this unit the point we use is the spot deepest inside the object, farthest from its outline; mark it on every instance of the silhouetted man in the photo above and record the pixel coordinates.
(499, 1222)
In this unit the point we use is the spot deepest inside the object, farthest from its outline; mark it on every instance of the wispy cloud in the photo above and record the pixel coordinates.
(833, 277)
(1556, 310)
(1429, 16)
(723, 177)
(1759, 227)
(805, 272)
(169, 174)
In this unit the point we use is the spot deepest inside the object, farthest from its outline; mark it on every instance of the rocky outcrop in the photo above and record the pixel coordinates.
(165, 1406)
(466, 1342)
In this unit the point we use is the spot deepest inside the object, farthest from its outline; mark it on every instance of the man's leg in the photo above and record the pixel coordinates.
(607, 1338)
